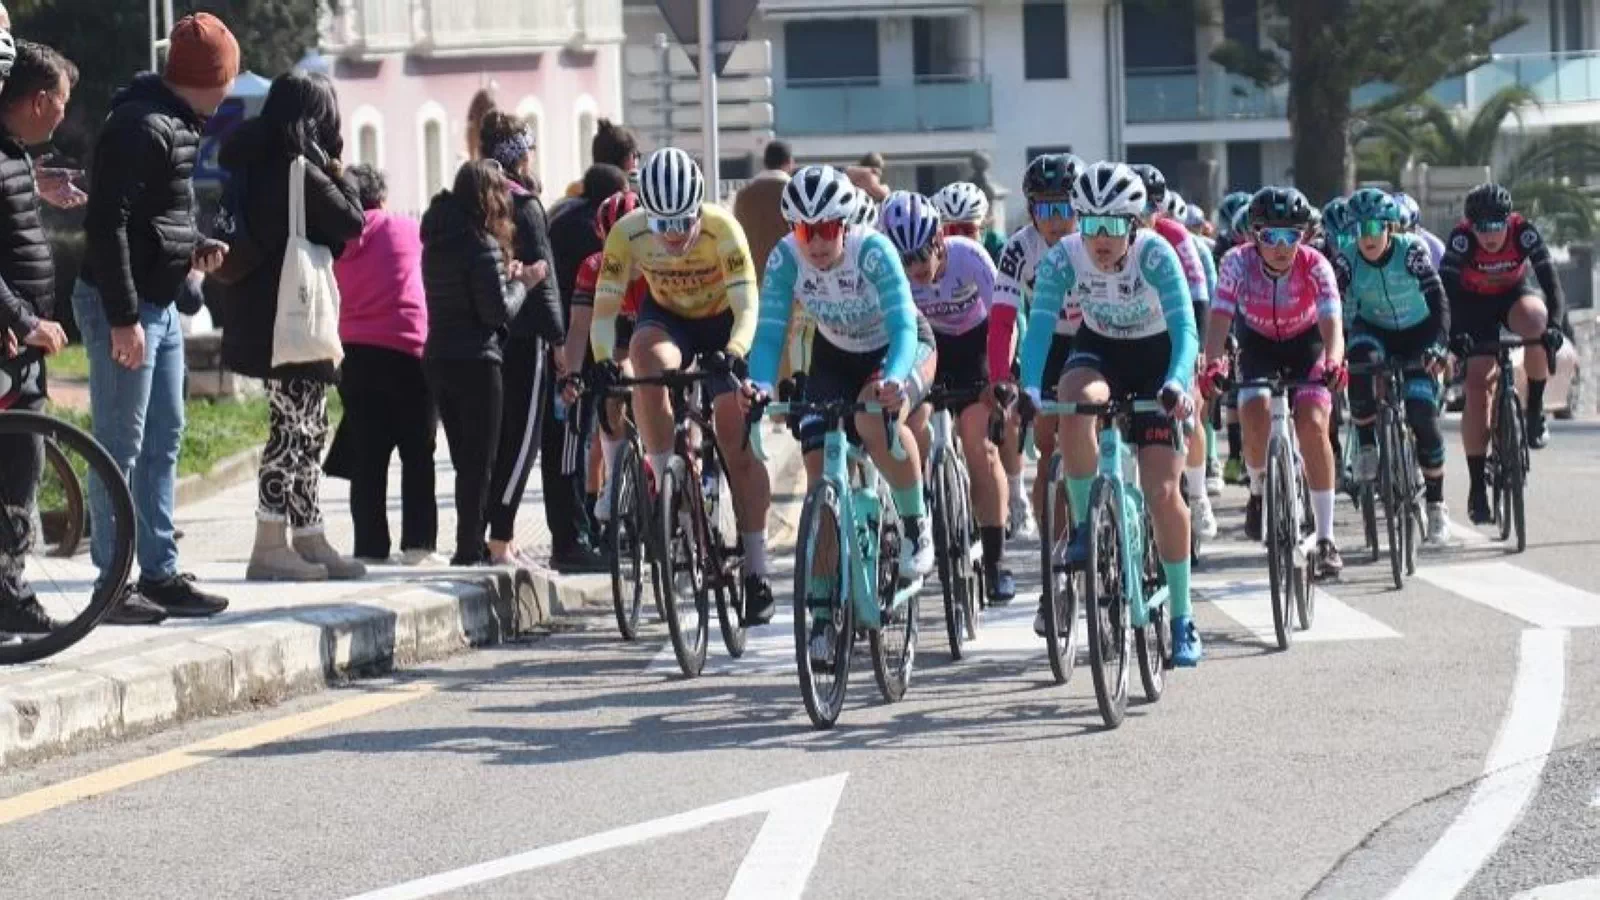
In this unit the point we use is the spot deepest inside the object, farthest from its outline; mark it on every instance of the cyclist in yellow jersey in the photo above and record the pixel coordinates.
(701, 301)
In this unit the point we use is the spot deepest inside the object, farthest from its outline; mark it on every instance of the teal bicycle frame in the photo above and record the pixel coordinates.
(1119, 465)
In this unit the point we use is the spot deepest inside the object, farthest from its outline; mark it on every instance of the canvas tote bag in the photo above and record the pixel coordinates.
(306, 329)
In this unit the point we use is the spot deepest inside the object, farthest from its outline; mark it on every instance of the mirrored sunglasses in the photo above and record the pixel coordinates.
(1279, 236)
(673, 224)
(1107, 226)
(827, 231)
(1052, 209)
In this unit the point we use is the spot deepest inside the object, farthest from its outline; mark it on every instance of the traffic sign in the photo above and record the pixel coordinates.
(733, 22)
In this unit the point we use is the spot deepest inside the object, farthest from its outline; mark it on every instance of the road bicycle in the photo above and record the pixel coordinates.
(1122, 583)
(625, 538)
(1399, 486)
(1287, 521)
(847, 565)
(1506, 467)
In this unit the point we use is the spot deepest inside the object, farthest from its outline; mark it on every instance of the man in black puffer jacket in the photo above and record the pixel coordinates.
(32, 104)
(141, 245)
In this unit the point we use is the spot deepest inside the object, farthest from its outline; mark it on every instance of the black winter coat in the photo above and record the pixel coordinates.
(139, 227)
(333, 216)
(27, 271)
(470, 300)
(541, 316)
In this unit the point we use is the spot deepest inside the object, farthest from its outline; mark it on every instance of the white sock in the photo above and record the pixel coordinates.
(1015, 482)
(608, 453)
(1197, 481)
(1258, 480)
(755, 553)
(659, 463)
(1322, 509)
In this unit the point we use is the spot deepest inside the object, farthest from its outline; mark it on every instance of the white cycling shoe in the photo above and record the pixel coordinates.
(1020, 524)
(1438, 525)
(1202, 519)
(916, 550)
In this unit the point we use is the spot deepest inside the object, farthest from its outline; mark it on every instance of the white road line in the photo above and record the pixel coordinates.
(1515, 591)
(1585, 889)
(1511, 773)
(776, 867)
(1248, 601)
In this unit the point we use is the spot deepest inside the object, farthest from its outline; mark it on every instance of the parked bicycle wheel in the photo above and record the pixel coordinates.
(65, 525)
(1278, 527)
(1058, 594)
(73, 593)
(625, 539)
(1107, 604)
(682, 571)
(894, 645)
(819, 581)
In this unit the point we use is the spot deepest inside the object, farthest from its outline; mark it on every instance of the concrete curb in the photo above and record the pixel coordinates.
(228, 472)
(118, 695)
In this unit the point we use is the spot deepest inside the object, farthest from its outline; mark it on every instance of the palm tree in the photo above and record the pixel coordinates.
(1541, 173)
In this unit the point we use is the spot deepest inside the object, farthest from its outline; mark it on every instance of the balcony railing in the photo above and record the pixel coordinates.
(827, 106)
(1186, 95)
(465, 26)
(1552, 77)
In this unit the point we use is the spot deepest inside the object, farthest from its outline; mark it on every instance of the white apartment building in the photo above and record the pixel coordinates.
(927, 82)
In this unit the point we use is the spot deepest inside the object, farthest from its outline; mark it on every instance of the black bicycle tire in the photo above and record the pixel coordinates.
(1276, 523)
(975, 590)
(114, 576)
(691, 657)
(945, 542)
(1151, 641)
(1061, 644)
(624, 486)
(1111, 696)
(1518, 445)
(1369, 520)
(1393, 507)
(1305, 592)
(76, 513)
(1413, 521)
(823, 712)
(727, 579)
(893, 673)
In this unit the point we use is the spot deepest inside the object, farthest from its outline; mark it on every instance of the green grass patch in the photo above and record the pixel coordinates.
(71, 362)
(216, 431)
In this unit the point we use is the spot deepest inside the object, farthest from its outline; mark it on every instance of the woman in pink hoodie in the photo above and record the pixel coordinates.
(383, 322)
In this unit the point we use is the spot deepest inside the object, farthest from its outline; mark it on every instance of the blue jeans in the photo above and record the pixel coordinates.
(138, 417)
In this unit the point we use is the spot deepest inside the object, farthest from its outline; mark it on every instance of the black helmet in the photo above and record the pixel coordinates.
(1155, 183)
(1488, 203)
(1274, 207)
(1051, 173)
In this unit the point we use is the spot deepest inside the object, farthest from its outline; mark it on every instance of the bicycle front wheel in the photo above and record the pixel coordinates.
(74, 596)
(946, 542)
(1514, 471)
(1278, 527)
(1153, 640)
(1391, 483)
(683, 592)
(821, 608)
(70, 522)
(624, 540)
(1107, 604)
(724, 564)
(1058, 598)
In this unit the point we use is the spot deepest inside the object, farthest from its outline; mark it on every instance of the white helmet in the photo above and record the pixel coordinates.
(962, 201)
(1174, 206)
(1108, 189)
(670, 184)
(1195, 217)
(866, 214)
(818, 194)
(910, 220)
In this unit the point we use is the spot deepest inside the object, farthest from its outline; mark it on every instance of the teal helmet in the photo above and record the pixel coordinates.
(1239, 225)
(1230, 205)
(1336, 217)
(1373, 205)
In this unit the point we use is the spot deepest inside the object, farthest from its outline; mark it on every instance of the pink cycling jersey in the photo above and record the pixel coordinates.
(1194, 271)
(959, 301)
(1282, 307)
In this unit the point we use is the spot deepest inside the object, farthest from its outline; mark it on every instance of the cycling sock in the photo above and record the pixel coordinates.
(1178, 587)
(1078, 495)
(1536, 397)
(994, 543)
(608, 453)
(1258, 480)
(659, 463)
(1235, 440)
(1197, 481)
(908, 501)
(1367, 435)
(1475, 473)
(1211, 440)
(1433, 488)
(755, 553)
(1016, 486)
(1322, 511)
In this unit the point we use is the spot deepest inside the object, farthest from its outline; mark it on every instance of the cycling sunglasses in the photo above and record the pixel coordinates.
(1372, 227)
(827, 231)
(665, 225)
(1052, 209)
(1105, 226)
(1490, 227)
(1278, 236)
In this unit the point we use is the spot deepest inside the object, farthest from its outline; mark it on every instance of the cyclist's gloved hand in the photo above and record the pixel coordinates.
(1176, 400)
(606, 375)
(1033, 399)
(1461, 344)
(1434, 356)
(1336, 375)
(1005, 393)
(1553, 341)
(1211, 378)
(791, 388)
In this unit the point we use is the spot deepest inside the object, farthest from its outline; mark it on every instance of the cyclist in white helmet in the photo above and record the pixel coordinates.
(966, 212)
(700, 305)
(1138, 337)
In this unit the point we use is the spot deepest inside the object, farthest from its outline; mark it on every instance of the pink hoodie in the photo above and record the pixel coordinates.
(381, 302)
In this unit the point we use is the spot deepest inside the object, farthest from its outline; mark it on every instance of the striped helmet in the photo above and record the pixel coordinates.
(911, 221)
(1108, 189)
(818, 194)
(962, 201)
(1173, 205)
(866, 214)
(670, 183)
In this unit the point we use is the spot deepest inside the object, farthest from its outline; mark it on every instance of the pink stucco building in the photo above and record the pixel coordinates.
(408, 69)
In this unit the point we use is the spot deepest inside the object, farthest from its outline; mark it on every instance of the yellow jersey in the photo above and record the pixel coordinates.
(714, 275)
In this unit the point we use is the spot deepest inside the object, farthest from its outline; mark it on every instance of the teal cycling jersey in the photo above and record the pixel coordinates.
(861, 305)
(1149, 295)
(1400, 291)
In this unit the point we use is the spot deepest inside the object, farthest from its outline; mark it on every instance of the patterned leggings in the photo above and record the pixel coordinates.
(291, 465)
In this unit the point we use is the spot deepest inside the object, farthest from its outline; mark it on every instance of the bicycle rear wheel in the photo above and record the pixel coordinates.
(75, 596)
(1413, 502)
(946, 543)
(894, 644)
(1369, 519)
(624, 540)
(682, 572)
(1278, 527)
(1153, 640)
(820, 573)
(64, 527)
(1058, 595)
(1107, 604)
(724, 564)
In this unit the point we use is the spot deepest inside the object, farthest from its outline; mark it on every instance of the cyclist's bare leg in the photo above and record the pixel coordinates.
(652, 352)
(900, 473)
(1311, 426)
(1255, 420)
(1479, 385)
(1159, 471)
(747, 477)
(1529, 318)
(918, 422)
(983, 463)
(1076, 434)
(1044, 440)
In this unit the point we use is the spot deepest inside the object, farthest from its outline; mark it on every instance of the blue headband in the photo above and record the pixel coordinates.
(511, 151)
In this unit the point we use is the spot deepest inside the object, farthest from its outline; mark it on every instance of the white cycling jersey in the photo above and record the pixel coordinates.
(1019, 265)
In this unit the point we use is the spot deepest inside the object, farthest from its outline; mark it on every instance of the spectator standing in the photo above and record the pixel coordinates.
(299, 118)
(538, 326)
(383, 323)
(33, 101)
(475, 288)
(757, 206)
(612, 145)
(140, 244)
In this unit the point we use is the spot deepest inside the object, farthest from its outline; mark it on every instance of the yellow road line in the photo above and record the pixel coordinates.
(130, 773)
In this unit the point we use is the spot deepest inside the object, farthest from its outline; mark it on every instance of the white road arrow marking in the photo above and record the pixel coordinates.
(776, 867)
(1248, 601)
(1515, 591)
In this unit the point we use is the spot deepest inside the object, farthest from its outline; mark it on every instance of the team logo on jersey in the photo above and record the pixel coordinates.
(1529, 238)
(734, 263)
(611, 267)
(1459, 243)
(1011, 262)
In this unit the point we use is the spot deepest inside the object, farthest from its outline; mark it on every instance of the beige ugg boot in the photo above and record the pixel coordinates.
(272, 560)
(313, 547)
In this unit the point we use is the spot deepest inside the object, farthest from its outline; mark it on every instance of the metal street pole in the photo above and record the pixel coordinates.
(708, 98)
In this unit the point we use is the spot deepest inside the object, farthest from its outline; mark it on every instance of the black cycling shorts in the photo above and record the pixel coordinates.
(1055, 363)
(1135, 367)
(693, 337)
(1299, 358)
(963, 361)
(1481, 316)
(837, 374)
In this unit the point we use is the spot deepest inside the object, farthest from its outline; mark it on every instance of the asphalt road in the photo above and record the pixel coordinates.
(1353, 765)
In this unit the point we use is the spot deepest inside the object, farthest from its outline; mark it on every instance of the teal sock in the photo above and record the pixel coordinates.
(908, 501)
(1178, 587)
(1078, 494)
(1211, 441)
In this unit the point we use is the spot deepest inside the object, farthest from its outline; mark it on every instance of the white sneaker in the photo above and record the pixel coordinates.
(1438, 525)
(916, 553)
(1202, 519)
(1367, 464)
(1214, 485)
(420, 556)
(602, 504)
(1021, 524)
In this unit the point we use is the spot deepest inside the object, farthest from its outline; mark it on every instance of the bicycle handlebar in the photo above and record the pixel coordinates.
(831, 412)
